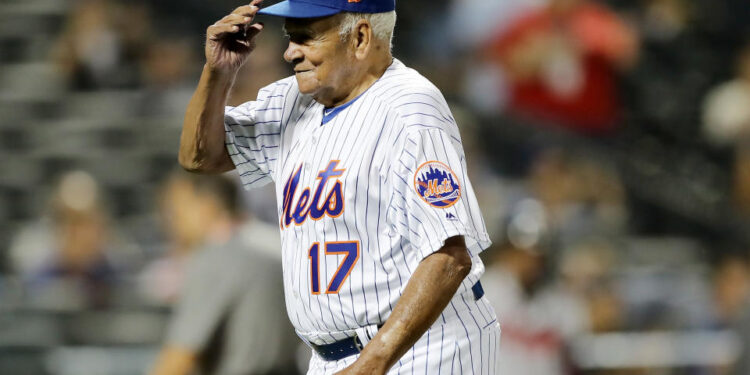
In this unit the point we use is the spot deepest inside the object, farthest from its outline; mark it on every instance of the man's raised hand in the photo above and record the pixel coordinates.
(230, 40)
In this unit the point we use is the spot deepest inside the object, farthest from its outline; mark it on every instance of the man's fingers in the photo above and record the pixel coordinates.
(230, 24)
(217, 31)
(253, 30)
(248, 10)
(236, 19)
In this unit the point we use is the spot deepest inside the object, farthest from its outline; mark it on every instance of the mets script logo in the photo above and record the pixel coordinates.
(313, 204)
(436, 183)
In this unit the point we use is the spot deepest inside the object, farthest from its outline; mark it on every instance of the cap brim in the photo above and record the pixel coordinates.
(298, 10)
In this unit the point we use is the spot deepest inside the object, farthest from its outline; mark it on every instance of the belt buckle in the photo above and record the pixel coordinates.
(358, 343)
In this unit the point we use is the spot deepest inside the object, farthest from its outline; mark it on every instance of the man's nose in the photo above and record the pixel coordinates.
(293, 53)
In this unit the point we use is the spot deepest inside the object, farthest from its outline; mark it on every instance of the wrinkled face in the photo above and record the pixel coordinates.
(320, 59)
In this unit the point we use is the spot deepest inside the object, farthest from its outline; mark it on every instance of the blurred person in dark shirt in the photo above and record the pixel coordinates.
(166, 64)
(561, 62)
(73, 256)
(166, 71)
(574, 195)
(101, 43)
(229, 318)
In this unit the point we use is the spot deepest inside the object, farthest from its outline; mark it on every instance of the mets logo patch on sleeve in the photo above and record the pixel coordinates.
(436, 183)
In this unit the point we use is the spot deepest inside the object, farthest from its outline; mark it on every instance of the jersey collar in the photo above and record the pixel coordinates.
(330, 113)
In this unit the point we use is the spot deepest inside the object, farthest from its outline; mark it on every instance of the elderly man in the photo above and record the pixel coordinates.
(380, 228)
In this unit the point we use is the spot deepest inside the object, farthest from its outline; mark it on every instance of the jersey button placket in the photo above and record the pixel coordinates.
(310, 149)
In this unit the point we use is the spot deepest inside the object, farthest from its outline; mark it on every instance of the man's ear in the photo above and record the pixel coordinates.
(362, 39)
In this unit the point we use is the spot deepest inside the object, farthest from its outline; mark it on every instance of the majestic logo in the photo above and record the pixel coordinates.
(436, 183)
(317, 207)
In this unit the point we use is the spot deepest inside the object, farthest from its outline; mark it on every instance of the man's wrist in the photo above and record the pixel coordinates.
(370, 364)
(219, 76)
(376, 357)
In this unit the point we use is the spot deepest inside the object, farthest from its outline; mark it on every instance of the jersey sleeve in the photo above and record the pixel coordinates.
(432, 198)
(253, 134)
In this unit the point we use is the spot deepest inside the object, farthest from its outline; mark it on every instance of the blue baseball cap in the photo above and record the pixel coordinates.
(324, 8)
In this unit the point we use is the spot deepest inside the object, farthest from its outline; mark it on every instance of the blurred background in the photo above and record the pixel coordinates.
(608, 142)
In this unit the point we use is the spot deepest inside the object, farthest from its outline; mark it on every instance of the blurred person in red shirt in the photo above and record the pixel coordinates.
(560, 62)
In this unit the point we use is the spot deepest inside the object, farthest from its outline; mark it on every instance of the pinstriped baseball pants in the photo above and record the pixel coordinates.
(464, 340)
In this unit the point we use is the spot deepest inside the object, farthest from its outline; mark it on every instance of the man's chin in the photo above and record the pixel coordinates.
(304, 85)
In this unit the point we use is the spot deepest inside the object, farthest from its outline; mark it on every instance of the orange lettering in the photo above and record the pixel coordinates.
(432, 188)
(447, 187)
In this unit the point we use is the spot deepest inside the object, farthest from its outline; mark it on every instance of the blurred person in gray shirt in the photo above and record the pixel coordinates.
(229, 317)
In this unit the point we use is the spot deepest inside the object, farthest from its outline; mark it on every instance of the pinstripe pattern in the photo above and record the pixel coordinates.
(380, 141)
(465, 343)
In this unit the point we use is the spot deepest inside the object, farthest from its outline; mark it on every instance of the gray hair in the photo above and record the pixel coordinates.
(382, 24)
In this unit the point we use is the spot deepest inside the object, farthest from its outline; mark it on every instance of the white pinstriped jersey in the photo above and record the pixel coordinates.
(365, 191)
